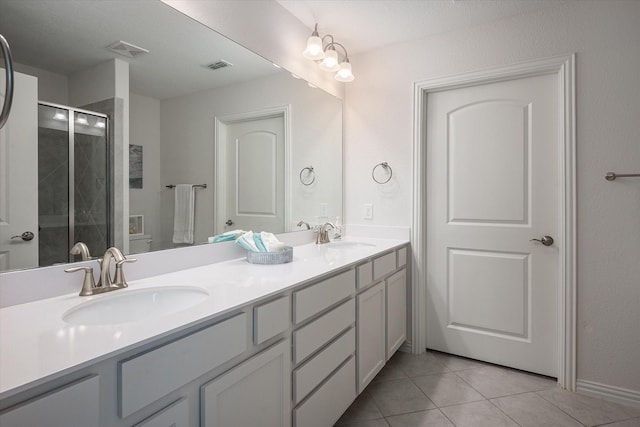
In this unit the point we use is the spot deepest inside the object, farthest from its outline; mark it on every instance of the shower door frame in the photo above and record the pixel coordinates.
(71, 172)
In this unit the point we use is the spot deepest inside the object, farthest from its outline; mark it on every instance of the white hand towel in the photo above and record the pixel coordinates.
(183, 214)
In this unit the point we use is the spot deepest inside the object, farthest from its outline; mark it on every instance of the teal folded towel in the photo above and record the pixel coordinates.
(258, 241)
(226, 237)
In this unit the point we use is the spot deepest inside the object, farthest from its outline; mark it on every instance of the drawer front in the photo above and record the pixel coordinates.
(255, 393)
(315, 298)
(402, 257)
(327, 404)
(270, 319)
(312, 373)
(175, 415)
(145, 379)
(365, 274)
(73, 405)
(311, 337)
(384, 265)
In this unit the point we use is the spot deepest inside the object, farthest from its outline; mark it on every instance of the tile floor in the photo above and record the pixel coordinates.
(440, 390)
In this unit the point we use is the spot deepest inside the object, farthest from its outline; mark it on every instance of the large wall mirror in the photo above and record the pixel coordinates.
(117, 103)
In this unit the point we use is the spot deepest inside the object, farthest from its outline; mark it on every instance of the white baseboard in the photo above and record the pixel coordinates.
(608, 392)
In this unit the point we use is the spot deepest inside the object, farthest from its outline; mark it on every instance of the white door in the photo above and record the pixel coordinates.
(492, 186)
(19, 176)
(255, 175)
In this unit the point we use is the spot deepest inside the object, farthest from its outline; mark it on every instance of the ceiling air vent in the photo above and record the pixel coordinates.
(127, 49)
(220, 64)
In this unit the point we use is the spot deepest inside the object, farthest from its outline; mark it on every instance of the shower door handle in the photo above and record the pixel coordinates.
(8, 96)
(26, 236)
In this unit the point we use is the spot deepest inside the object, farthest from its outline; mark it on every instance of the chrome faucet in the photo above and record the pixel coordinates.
(305, 223)
(81, 249)
(323, 233)
(105, 284)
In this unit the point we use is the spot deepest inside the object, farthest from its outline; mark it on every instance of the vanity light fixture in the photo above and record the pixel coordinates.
(323, 50)
(100, 123)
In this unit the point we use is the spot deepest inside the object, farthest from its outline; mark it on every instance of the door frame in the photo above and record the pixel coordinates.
(564, 68)
(219, 152)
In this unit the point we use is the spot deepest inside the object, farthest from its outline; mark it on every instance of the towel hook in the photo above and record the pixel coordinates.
(386, 167)
(310, 173)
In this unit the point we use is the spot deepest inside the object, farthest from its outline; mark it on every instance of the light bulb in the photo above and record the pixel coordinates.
(344, 74)
(330, 61)
(314, 49)
(81, 119)
(60, 115)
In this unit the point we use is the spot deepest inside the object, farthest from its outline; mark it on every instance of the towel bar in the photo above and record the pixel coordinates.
(611, 176)
(194, 185)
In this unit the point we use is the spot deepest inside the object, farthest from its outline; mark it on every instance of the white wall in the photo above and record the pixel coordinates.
(267, 29)
(187, 125)
(606, 39)
(144, 129)
(52, 87)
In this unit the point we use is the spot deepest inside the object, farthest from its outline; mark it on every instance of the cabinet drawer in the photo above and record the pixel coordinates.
(145, 379)
(384, 265)
(73, 405)
(365, 274)
(315, 298)
(312, 373)
(270, 319)
(402, 257)
(311, 337)
(329, 402)
(174, 415)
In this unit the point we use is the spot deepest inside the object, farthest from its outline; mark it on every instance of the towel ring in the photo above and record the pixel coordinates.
(310, 172)
(386, 166)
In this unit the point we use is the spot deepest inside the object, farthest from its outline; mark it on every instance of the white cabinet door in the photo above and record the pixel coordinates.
(371, 334)
(73, 405)
(255, 393)
(396, 311)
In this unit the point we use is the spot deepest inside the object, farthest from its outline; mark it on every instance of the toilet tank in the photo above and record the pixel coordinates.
(139, 243)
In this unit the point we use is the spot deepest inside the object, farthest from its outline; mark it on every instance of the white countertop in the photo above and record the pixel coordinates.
(36, 345)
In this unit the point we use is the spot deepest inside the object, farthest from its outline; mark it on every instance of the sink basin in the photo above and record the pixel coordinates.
(135, 305)
(349, 244)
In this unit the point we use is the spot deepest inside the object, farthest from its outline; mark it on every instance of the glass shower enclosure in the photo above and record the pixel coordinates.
(73, 182)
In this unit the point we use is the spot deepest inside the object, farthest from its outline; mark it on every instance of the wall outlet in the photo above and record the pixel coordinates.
(367, 211)
(324, 210)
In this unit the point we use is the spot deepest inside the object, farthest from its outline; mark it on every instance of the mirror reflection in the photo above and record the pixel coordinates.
(144, 129)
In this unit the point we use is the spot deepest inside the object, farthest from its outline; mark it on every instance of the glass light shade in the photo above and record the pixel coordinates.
(314, 49)
(344, 74)
(81, 119)
(100, 123)
(60, 115)
(330, 61)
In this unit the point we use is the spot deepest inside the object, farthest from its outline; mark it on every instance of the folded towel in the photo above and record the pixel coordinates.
(183, 215)
(226, 236)
(258, 241)
(271, 242)
(246, 241)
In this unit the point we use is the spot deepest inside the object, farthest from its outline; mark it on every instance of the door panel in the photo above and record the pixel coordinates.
(491, 187)
(18, 176)
(255, 175)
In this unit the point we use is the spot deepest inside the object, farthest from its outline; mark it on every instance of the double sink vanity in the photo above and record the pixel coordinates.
(224, 344)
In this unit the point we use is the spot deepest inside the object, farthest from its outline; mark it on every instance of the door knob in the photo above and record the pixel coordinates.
(229, 222)
(26, 236)
(545, 240)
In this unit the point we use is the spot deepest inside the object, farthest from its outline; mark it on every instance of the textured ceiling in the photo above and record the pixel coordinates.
(365, 25)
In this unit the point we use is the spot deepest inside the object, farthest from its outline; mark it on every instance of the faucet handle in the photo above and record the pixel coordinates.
(88, 283)
(119, 279)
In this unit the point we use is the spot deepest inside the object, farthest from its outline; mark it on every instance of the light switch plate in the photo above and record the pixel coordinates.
(367, 211)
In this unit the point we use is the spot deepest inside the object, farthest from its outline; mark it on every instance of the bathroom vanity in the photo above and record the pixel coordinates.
(269, 345)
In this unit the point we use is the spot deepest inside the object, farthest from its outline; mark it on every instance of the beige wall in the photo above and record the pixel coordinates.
(605, 36)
